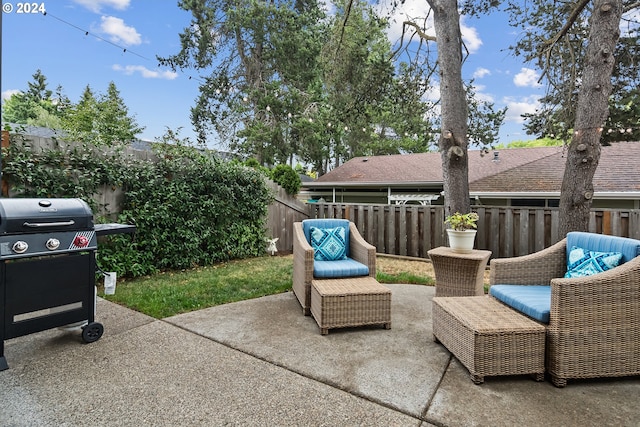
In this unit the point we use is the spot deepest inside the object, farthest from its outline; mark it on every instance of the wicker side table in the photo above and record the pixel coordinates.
(357, 301)
(458, 274)
(489, 338)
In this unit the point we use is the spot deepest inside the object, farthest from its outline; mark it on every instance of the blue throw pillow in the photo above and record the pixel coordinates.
(583, 263)
(328, 243)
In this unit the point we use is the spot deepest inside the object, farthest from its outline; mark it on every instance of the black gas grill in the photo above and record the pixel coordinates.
(47, 267)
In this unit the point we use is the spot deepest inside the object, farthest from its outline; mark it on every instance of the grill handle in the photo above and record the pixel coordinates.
(48, 224)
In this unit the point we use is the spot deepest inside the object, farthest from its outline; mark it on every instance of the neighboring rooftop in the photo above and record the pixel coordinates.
(509, 170)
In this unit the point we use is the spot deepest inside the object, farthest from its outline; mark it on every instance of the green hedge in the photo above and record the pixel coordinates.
(189, 207)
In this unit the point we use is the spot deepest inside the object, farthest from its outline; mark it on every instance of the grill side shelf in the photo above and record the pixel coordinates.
(114, 228)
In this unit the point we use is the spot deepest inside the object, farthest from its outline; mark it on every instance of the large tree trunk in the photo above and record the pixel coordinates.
(592, 110)
(453, 138)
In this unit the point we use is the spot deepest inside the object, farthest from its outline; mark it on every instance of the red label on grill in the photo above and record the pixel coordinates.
(82, 240)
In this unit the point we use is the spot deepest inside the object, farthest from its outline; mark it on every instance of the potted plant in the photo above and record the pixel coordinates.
(462, 231)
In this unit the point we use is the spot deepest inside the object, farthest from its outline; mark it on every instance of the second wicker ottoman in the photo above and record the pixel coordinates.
(357, 301)
(489, 338)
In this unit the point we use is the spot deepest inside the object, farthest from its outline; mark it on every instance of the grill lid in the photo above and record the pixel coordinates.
(44, 215)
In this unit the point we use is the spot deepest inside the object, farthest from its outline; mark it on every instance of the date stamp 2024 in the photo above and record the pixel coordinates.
(24, 8)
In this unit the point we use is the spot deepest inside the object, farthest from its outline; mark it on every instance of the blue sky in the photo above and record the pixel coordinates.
(58, 45)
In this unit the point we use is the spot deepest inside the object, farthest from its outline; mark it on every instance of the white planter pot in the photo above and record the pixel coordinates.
(461, 241)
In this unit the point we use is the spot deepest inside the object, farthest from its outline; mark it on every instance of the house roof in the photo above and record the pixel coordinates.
(618, 171)
(536, 169)
(427, 167)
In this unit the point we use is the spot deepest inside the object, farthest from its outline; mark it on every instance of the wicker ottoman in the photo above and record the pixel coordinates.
(489, 338)
(358, 301)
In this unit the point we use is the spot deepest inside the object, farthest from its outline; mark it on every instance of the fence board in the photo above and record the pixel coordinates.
(539, 230)
(380, 245)
(508, 233)
(634, 224)
(402, 230)
(523, 247)
(414, 233)
(494, 243)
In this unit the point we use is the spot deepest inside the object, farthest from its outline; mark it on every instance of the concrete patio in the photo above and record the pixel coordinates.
(262, 363)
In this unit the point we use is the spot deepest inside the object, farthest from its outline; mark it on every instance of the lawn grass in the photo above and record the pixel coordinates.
(170, 293)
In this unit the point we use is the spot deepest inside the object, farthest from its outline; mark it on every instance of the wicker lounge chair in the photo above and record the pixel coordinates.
(594, 322)
(361, 258)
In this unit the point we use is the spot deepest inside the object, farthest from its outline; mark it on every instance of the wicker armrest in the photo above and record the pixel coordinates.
(361, 250)
(302, 256)
(594, 325)
(608, 298)
(533, 269)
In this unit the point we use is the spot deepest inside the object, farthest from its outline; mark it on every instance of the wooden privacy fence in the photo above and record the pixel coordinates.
(282, 213)
(413, 230)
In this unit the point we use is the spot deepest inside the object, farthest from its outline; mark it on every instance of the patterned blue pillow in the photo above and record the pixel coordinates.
(328, 243)
(583, 263)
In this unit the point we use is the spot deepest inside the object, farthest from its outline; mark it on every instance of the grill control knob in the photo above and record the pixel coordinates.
(52, 244)
(20, 247)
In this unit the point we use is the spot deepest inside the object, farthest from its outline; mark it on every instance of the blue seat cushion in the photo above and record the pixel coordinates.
(342, 268)
(532, 300)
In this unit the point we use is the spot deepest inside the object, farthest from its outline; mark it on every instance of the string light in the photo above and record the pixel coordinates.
(87, 33)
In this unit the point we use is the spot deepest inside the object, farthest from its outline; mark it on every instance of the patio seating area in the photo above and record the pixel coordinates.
(334, 276)
(260, 362)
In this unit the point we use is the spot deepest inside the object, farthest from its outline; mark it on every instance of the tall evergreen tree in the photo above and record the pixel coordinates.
(102, 121)
(35, 106)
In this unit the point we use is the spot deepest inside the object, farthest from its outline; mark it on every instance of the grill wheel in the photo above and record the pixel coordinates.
(92, 332)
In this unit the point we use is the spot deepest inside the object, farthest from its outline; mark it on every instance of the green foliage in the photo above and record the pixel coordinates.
(461, 222)
(554, 37)
(290, 81)
(541, 142)
(287, 178)
(103, 120)
(189, 208)
(72, 170)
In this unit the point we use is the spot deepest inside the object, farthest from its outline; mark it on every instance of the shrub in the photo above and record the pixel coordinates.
(189, 208)
(287, 178)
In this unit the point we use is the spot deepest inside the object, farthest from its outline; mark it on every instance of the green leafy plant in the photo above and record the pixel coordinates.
(287, 178)
(189, 208)
(461, 222)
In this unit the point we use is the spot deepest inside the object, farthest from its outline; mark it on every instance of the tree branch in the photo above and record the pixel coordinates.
(548, 44)
(344, 24)
(419, 31)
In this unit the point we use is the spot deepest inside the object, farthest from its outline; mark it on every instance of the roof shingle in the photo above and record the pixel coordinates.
(511, 170)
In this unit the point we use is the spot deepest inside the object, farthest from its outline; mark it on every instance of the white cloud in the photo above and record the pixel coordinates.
(119, 32)
(433, 93)
(481, 72)
(145, 72)
(9, 92)
(629, 23)
(519, 106)
(417, 11)
(470, 37)
(483, 96)
(526, 78)
(97, 5)
(410, 10)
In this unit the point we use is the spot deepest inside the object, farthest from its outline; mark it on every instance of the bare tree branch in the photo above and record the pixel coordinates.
(419, 31)
(344, 24)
